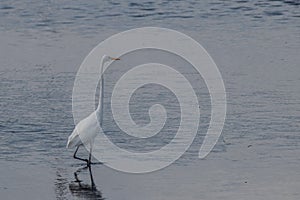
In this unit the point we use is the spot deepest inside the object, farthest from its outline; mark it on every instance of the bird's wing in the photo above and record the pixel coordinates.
(88, 128)
(74, 139)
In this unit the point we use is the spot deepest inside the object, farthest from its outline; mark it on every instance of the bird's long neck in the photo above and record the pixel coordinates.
(101, 97)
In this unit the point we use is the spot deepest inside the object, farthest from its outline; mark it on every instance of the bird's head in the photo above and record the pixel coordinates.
(106, 58)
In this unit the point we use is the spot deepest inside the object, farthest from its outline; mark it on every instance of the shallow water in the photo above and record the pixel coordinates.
(256, 47)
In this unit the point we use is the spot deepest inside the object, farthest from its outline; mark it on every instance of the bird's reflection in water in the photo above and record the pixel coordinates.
(61, 184)
(82, 190)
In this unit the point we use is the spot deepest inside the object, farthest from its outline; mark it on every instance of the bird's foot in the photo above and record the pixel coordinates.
(89, 163)
(96, 163)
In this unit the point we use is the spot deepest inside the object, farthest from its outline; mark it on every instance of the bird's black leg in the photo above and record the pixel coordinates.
(86, 160)
(90, 154)
(92, 179)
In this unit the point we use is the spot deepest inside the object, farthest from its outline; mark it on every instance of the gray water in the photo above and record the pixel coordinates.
(256, 47)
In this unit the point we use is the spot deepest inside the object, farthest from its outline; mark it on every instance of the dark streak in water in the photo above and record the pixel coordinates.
(7, 8)
(273, 13)
(292, 2)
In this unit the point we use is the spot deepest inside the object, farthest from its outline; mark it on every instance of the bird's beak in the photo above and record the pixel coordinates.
(115, 58)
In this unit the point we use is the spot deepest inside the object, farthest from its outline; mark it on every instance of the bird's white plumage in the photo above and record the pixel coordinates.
(84, 132)
(87, 129)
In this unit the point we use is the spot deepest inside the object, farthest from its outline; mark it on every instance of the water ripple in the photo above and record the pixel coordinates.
(76, 15)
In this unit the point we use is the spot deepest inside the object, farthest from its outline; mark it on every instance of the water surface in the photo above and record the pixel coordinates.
(256, 47)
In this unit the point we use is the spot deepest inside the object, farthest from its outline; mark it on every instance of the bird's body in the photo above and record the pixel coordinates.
(87, 129)
(84, 132)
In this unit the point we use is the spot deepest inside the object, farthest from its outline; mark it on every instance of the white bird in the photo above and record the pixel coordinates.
(87, 128)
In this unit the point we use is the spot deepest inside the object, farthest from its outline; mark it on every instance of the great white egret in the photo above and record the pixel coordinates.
(87, 128)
